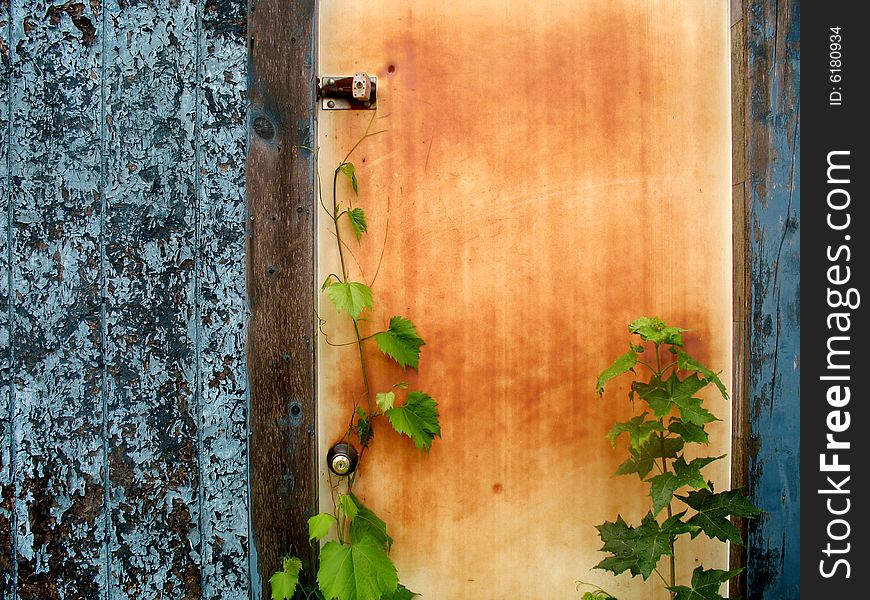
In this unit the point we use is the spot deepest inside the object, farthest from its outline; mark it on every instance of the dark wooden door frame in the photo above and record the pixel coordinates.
(281, 251)
(280, 275)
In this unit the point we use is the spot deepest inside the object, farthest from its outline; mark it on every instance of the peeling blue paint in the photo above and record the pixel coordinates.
(773, 50)
(124, 453)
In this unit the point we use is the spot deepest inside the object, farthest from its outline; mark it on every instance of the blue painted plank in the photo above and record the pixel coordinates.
(773, 53)
(54, 165)
(152, 114)
(223, 300)
(7, 558)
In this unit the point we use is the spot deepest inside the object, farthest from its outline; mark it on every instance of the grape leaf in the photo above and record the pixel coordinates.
(319, 525)
(642, 459)
(689, 431)
(663, 395)
(692, 411)
(638, 549)
(385, 400)
(348, 169)
(662, 487)
(357, 219)
(284, 582)
(621, 365)
(705, 584)
(401, 593)
(417, 418)
(653, 329)
(713, 511)
(638, 428)
(351, 297)
(687, 363)
(597, 595)
(366, 524)
(401, 342)
(348, 506)
(364, 427)
(359, 571)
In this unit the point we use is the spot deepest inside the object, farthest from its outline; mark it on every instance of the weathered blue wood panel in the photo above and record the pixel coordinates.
(54, 142)
(7, 557)
(151, 230)
(223, 300)
(773, 117)
(122, 282)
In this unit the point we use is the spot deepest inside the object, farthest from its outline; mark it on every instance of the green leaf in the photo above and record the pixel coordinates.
(284, 582)
(401, 593)
(687, 363)
(621, 365)
(348, 506)
(347, 169)
(663, 395)
(638, 549)
(714, 510)
(357, 219)
(366, 524)
(662, 487)
(638, 428)
(401, 342)
(653, 329)
(417, 418)
(689, 431)
(705, 584)
(319, 525)
(364, 427)
(692, 411)
(597, 595)
(351, 297)
(643, 459)
(385, 400)
(359, 571)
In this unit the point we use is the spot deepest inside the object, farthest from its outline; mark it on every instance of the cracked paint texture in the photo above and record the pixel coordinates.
(123, 404)
(773, 117)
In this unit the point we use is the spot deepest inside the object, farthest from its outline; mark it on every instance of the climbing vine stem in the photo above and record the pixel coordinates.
(354, 557)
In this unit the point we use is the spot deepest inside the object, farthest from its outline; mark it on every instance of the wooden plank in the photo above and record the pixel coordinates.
(773, 147)
(56, 335)
(281, 281)
(151, 228)
(222, 301)
(7, 492)
(741, 287)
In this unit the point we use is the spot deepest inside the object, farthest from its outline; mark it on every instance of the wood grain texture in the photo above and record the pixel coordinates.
(280, 189)
(773, 147)
(741, 289)
(526, 229)
(58, 418)
(222, 301)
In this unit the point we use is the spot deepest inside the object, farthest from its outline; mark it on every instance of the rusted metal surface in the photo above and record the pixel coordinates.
(773, 182)
(124, 410)
(528, 223)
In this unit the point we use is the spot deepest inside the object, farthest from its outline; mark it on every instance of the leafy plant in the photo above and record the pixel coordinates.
(355, 562)
(671, 418)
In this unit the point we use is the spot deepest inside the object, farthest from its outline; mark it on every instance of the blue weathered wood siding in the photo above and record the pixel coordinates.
(773, 147)
(124, 441)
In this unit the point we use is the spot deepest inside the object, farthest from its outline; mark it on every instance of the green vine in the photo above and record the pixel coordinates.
(354, 559)
(671, 419)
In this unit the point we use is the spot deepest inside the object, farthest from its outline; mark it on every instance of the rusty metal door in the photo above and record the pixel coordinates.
(550, 171)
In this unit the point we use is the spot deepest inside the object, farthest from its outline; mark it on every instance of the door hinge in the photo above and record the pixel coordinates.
(348, 92)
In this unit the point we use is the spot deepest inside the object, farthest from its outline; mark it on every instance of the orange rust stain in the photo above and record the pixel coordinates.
(550, 171)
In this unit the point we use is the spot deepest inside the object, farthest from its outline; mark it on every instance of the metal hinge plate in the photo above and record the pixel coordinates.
(348, 92)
